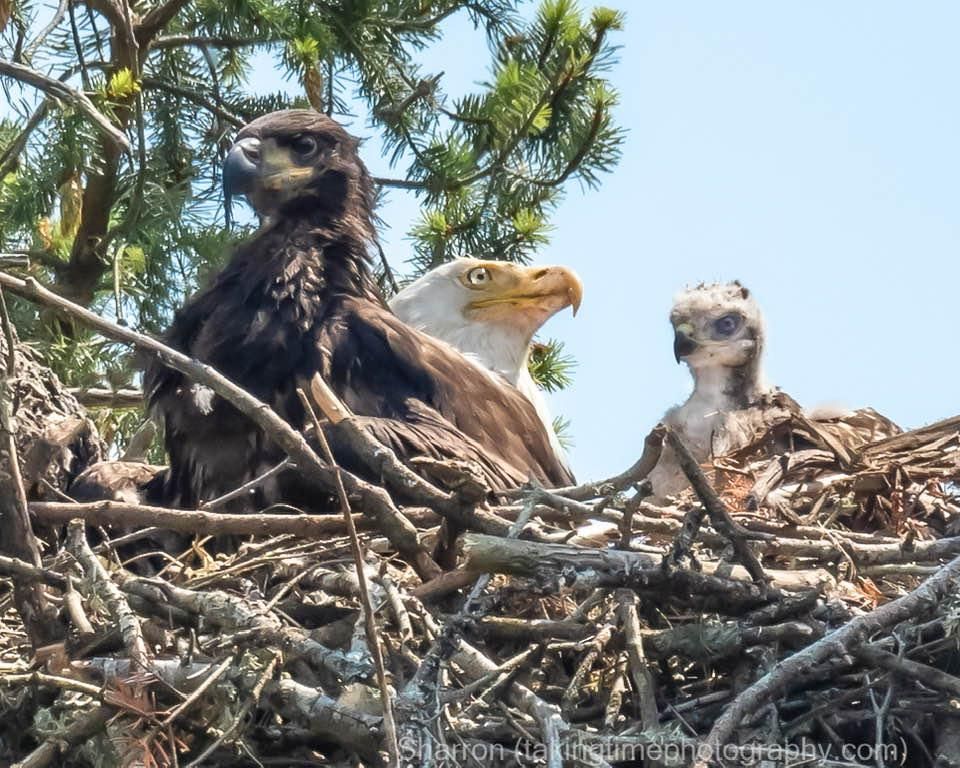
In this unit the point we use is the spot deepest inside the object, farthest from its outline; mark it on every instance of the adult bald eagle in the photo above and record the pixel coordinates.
(298, 300)
(719, 333)
(490, 310)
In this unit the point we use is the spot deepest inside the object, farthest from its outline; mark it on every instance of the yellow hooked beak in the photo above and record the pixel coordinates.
(548, 289)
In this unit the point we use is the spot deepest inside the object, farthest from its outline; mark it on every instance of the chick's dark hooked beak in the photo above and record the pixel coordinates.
(240, 171)
(683, 343)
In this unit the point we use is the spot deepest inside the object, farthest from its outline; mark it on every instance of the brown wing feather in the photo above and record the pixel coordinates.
(114, 480)
(448, 407)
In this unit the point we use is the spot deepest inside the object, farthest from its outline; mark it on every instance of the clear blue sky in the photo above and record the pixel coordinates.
(809, 150)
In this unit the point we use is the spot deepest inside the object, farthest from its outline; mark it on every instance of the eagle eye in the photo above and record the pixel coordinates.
(726, 325)
(478, 276)
(304, 145)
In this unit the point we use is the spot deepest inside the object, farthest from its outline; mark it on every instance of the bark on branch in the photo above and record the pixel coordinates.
(841, 642)
(53, 87)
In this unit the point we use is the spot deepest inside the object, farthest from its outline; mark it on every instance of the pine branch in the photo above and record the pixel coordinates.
(399, 183)
(55, 88)
(13, 151)
(151, 24)
(41, 37)
(212, 41)
(154, 83)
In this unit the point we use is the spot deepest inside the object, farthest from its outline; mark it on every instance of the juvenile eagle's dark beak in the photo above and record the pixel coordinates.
(240, 171)
(683, 343)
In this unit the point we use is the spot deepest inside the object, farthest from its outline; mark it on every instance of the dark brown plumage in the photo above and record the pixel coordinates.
(298, 299)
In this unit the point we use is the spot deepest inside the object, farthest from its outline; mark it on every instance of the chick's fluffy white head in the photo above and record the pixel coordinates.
(717, 325)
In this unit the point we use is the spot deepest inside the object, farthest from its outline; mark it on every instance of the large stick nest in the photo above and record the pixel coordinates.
(800, 603)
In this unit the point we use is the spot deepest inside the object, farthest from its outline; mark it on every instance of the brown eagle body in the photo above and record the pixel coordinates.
(298, 299)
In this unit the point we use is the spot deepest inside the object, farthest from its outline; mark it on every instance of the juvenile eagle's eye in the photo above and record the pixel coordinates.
(304, 145)
(726, 325)
(478, 276)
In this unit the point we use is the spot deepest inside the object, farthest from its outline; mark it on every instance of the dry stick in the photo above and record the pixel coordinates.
(373, 500)
(355, 730)
(195, 694)
(418, 697)
(601, 639)
(630, 507)
(335, 413)
(21, 570)
(235, 614)
(244, 489)
(74, 606)
(251, 699)
(487, 683)
(683, 541)
(445, 584)
(98, 397)
(617, 689)
(16, 532)
(719, 515)
(912, 670)
(203, 523)
(643, 682)
(840, 642)
(585, 567)
(109, 593)
(54, 749)
(395, 525)
(395, 474)
(786, 541)
(53, 87)
(36, 678)
(652, 447)
(399, 610)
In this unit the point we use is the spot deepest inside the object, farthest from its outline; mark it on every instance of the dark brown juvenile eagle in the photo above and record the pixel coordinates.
(298, 300)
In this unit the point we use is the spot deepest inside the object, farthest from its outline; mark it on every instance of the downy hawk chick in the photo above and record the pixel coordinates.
(718, 333)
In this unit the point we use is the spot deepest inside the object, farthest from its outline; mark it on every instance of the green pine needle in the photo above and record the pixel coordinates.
(550, 368)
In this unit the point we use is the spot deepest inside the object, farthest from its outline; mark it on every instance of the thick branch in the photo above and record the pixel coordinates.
(55, 88)
(584, 567)
(98, 397)
(652, 447)
(155, 20)
(719, 514)
(212, 41)
(202, 523)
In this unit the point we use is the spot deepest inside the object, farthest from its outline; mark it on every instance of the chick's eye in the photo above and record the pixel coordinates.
(304, 145)
(726, 325)
(478, 276)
